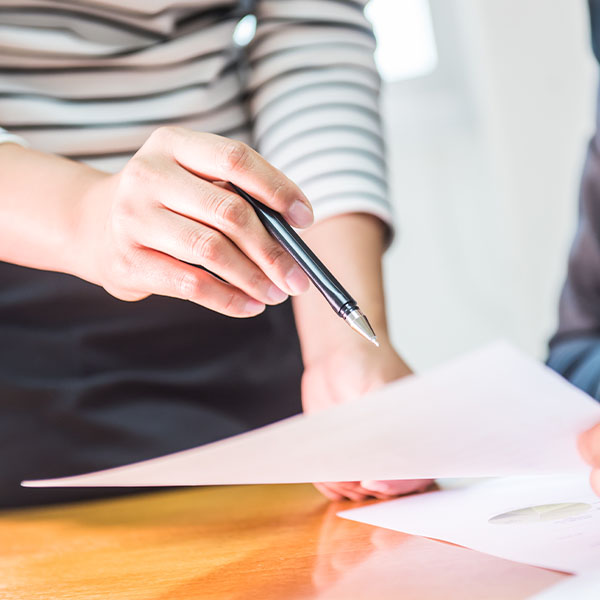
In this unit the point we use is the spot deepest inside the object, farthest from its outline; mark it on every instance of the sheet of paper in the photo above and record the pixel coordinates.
(493, 412)
(546, 521)
(579, 587)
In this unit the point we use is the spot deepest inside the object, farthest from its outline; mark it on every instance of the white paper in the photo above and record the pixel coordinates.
(547, 521)
(579, 587)
(493, 412)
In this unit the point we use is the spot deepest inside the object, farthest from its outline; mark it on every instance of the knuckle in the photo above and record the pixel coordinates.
(232, 211)
(278, 194)
(231, 303)
(186, 285)
(123, 215)
(234, 156)
(281, 194)
(275, 254)
(256, 280)
(163, 135)
(118, 277)
(205, 245)
(138, 172)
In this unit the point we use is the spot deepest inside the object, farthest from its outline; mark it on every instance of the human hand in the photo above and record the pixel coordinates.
(589, 447)
(344, 374)
(148, 229)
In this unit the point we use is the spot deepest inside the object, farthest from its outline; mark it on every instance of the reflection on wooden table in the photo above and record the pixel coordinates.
(265, 542)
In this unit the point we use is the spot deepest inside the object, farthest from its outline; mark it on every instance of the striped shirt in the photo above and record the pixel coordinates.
(87, 381)
(90, 80)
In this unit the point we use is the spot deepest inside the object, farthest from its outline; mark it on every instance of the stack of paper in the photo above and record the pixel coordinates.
(548, 521)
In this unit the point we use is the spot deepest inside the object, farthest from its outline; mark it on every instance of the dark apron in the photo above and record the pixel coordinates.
(89, 382)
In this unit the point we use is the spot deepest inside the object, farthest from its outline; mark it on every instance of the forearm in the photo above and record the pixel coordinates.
(148, 228)
(40, 208)
(351, 246)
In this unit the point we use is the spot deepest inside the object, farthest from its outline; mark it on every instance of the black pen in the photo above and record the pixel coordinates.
(339, 299)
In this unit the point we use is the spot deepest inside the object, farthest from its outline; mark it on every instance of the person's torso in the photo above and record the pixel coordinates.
(92, 80)
(88, 381)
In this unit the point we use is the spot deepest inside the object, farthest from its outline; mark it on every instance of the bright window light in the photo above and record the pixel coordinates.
(405, 40)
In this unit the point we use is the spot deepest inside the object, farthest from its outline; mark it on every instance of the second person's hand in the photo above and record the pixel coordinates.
(353, 369)
(161, 223)
(589, 448)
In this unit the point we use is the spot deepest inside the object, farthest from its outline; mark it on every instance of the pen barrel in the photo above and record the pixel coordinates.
(338, 298)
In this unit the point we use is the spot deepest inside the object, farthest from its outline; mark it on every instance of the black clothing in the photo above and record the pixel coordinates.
(575, 348)
(89, 382)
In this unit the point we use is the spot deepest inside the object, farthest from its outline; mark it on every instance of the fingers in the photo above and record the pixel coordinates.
(195, 243)
(589, 445)
(167, 276)
(328, 492)
(342, 490)
(171, 217)
(595, 481)
(227, 212)
(382, 490)
(218, 158)
(351, 490)
(398, 487)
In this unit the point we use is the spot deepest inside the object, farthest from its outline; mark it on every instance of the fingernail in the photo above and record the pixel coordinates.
(253, 307)
(382, 487)
(274, 294)
(297, 281)
(300, 214)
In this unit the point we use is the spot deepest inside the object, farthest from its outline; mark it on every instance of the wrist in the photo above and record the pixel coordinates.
(340, 339)
(41, 208)
(91, 212)
(323, 333)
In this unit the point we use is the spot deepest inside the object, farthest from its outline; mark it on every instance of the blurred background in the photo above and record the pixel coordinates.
(488, 107)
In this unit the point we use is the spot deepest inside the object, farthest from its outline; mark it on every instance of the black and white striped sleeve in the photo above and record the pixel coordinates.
(7, 136)
(314, 101)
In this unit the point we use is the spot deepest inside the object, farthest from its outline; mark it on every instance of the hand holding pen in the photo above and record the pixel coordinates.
(164, 225)
(157, 226)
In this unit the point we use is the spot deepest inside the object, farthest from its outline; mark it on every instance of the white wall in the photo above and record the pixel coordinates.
(485, 157)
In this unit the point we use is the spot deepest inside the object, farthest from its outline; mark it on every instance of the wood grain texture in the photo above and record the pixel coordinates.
(265, 542)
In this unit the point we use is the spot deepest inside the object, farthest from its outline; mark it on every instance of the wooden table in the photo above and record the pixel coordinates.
(264, 542)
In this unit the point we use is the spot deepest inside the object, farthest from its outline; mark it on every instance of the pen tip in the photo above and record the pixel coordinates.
(357, 320)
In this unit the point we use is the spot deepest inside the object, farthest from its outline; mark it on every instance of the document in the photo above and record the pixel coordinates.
(547, 521)
(580, 587)
(495, 412)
